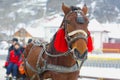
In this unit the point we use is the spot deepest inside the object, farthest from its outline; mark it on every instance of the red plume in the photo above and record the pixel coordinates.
(90, 43)
(60, 43)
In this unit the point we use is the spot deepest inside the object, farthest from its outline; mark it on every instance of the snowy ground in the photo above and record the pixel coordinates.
(101, 72)
(111, 73)
(2, 70)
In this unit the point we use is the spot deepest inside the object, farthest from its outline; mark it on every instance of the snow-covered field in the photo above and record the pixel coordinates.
(3, 52)
(111, 73)
(85, 71)
(2, 70)
(101, 72)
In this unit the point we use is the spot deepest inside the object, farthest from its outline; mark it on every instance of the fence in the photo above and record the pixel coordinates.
(101, 68)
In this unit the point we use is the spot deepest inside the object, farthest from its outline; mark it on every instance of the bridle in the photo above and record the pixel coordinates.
(79, 34)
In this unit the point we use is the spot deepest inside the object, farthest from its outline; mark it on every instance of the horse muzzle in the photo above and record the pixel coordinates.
(79, 56)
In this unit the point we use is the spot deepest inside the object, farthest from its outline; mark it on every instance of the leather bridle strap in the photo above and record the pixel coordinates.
(76, 38)
(77, 31)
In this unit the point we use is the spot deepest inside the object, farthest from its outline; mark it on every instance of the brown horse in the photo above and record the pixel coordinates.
(43, 61)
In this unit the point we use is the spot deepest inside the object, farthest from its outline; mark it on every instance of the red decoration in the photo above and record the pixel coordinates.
(60, 43)
(90, 43)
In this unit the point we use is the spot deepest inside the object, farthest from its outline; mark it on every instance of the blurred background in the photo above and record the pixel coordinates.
(40, 19)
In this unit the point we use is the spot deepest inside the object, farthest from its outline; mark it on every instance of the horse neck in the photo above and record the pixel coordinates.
(28, 49)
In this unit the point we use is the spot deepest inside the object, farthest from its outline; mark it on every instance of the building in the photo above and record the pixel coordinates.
(113, 44)
(47, 26)
(52, 26)
(23, 35)
(99, 35)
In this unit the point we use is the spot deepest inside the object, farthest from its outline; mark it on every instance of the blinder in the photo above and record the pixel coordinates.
(80, 18)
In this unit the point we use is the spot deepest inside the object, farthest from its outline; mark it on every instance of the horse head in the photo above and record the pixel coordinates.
(76, 31)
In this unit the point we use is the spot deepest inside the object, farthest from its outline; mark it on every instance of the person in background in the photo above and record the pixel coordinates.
(24, 46)
(21, 62)
(14, 41)
(12, 66)
(29, 41)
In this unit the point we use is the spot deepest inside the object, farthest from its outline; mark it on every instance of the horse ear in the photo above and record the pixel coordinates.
(85, 9)
(65, 8)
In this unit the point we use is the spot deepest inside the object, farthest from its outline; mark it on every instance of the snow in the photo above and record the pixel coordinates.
(116, 9)
(12, 15)
(106, 55)
(80, 5)
(36, 1)
(21, 25)
(114, 35)
(93, 5)
(100, 72)
(39, 27)
(2, 70)
(94, 25)
(36, 32)
(3, 52)
(54, 20)
(85, 71)
(26, 11)
(113, 28)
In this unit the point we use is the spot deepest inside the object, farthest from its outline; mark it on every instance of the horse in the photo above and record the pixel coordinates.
(62, 58)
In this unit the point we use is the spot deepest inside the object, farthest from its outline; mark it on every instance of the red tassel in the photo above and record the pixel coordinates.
(90, 43)
(60, 43)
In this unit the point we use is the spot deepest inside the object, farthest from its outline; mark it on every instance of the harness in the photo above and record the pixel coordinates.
(50, 67)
